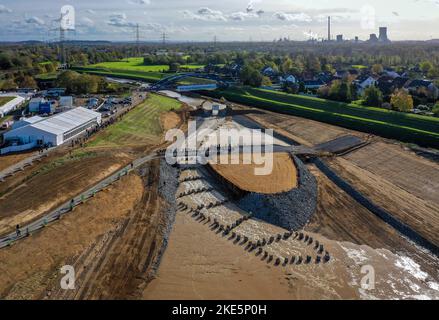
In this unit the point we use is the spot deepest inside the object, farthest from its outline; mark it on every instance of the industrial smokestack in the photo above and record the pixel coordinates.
(329, 28)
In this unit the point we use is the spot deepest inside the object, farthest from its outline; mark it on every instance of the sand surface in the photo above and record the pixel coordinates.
(283, 176)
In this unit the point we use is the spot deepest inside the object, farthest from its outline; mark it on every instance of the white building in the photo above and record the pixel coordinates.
(66, 101)
(55, 130)
(12, 105)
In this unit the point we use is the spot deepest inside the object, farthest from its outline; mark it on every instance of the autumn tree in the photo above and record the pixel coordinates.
(402, 101)
(377, 68)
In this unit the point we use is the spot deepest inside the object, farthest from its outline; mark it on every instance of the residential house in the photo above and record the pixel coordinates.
(415, 86)
(313, 84)
(363, 82)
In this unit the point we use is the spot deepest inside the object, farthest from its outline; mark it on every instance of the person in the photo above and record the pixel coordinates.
(17, 230)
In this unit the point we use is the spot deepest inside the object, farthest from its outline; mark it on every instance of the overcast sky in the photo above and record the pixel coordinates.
(229, 20)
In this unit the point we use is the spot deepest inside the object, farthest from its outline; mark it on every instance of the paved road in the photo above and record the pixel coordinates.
(67, 207)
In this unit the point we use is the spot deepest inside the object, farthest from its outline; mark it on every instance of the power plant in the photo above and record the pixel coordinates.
(373, 38)
(383, 35)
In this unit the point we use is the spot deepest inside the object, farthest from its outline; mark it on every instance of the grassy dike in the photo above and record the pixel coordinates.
(140, 126)
(405, 127)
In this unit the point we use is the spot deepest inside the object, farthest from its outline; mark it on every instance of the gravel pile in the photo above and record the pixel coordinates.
(290, 210)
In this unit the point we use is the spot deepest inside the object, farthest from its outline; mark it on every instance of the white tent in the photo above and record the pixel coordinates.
(56, 130)
(11, 105)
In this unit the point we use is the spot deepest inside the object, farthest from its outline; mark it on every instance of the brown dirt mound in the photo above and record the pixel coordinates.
(283, 177)
(169, 120)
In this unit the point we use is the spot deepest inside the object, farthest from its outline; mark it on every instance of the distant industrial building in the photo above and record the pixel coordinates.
(383, 35)
(382, 38)
(339, 38)
(52, 131)
(373, 38)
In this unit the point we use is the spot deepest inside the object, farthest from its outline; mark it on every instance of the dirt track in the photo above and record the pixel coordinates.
(30, 265)
(117, 265)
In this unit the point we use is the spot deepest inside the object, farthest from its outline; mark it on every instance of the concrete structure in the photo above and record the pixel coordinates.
(373, 38)
(56, 130)
(214, 109)
(12, 105)
(383, 35)
(339, 38)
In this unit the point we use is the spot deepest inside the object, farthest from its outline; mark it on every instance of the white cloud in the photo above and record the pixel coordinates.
(241, 16)
(120, 20)
(87, 22)
(205, 14)
(4, 9)
(299, 17)
(35, 20)
(141, 2)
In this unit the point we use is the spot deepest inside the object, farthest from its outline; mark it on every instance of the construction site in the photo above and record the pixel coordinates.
(336, 207)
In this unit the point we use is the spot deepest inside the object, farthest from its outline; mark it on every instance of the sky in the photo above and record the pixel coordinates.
(227, 20)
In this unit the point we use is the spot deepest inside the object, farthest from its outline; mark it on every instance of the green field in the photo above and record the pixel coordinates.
(390, 124)
(136, 64)
(140, 126)
(132, 75)
(47, 76)
(131, 68)
(359, 66)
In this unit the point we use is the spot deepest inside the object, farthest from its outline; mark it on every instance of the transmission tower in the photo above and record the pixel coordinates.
(164, 38)
(61, 39)
(138, 39)
(62, 53)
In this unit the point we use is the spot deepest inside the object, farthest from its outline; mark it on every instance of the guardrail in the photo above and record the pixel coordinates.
(68, 207)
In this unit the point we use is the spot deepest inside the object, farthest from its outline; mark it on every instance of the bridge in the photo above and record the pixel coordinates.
(168, 81)
(221, 150)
